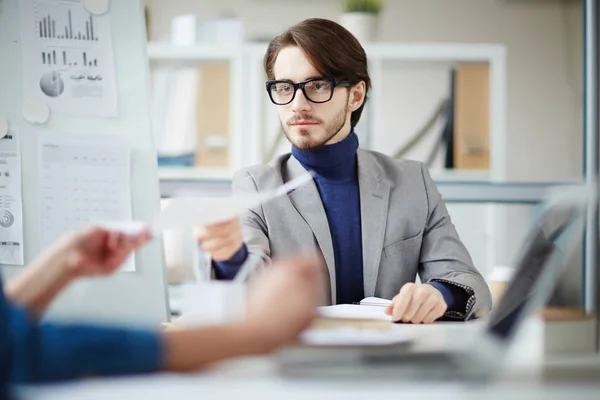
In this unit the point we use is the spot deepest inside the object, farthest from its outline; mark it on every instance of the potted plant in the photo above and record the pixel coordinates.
(360, 18)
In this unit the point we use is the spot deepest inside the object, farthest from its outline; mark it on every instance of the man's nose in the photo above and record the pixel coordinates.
(300, 102)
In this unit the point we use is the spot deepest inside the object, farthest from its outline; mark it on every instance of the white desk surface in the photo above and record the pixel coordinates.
(258, 378)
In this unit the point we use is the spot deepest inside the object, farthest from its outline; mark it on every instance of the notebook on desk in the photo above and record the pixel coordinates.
(363, 326)
(370, 308)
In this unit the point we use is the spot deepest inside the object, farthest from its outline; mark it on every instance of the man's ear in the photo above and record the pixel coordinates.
(357, 96)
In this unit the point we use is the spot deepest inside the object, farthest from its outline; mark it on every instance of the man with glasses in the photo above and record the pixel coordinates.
(379, 222)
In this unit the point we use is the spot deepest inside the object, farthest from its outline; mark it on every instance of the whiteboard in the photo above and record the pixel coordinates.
(137, 298)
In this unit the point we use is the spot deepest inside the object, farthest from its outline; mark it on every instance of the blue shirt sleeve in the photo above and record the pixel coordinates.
(456, 298)
(227, 270)
(5, 347)
(49, 352)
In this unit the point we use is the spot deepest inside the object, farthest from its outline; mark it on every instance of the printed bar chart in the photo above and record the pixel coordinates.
(84, 29)
(51, 58)
(76, 72)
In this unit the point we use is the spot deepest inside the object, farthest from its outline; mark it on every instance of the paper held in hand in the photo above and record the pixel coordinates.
(183, 212)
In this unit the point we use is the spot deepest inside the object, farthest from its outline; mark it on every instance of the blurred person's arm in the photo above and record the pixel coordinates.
(49, 352)
(92, 251)
(281, 304)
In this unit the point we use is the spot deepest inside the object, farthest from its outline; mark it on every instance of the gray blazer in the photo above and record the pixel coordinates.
(406, 229)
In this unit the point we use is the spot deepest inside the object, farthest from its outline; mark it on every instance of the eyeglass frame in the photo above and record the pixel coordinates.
(300, 85)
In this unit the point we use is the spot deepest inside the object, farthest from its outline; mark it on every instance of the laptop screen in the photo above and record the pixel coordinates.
(538, 263)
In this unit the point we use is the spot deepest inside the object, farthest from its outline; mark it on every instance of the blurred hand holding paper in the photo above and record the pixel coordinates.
(126, 227)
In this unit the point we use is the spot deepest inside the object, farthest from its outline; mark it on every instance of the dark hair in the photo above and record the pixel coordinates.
(330, 48)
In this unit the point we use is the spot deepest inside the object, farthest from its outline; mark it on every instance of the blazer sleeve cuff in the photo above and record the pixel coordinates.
(227, 270)
(458, 314)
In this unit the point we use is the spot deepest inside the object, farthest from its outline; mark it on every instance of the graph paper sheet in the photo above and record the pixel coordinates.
(84, 179)
(68, 60)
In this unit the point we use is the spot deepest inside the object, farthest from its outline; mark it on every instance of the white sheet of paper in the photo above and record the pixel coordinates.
(349, 336)
(353, 311)
(182, 212)
(68, 60)
(199, 211)
(126, 227)
(84, 179)
(375, 301)
(11, 204)
(3, 126)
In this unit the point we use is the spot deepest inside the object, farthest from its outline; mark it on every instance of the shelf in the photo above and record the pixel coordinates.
(199, 52)
(449, 175)
(203, 174)
(200, 174)
(446, 52)
(194, 181)
(455, 186)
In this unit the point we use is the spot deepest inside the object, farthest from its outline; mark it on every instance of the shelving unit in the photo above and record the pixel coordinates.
(164, 54)
(247, 90)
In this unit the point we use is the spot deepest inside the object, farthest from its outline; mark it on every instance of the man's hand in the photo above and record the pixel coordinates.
(417, 303)
(282, 302)
(95, 251)
(221, 240)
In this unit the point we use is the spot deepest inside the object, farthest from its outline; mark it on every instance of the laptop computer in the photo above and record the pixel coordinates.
(552, 239)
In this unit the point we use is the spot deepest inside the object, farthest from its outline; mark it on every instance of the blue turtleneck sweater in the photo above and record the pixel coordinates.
(336, 177)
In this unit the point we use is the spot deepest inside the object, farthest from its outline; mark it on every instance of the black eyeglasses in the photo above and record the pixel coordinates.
(317, 90)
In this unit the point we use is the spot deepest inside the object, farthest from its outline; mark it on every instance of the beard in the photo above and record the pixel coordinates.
(304, 139)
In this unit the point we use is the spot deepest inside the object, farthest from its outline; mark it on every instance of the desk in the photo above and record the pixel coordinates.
(257, 377)
(254, 378)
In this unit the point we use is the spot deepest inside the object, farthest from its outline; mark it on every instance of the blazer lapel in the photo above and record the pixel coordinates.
(374, 200)
(307, 201)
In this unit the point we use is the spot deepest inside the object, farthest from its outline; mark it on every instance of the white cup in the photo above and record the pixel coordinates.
(212, 303)
(499, 279)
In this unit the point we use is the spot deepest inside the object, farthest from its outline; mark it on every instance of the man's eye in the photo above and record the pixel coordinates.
(320, 86)
(283, 88)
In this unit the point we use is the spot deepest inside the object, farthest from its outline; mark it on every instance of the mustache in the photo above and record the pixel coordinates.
(303, 118)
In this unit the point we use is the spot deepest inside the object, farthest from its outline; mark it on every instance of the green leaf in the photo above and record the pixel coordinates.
(368, 6)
